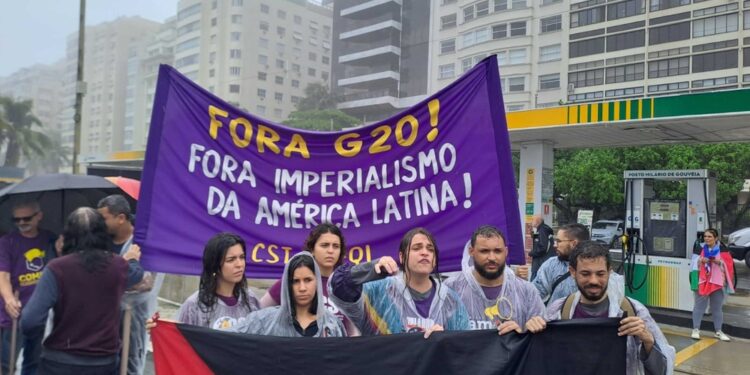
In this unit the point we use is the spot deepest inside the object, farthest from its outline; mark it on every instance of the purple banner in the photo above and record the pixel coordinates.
(444, 164)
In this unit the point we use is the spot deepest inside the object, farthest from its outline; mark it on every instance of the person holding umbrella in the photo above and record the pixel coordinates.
(23, 257)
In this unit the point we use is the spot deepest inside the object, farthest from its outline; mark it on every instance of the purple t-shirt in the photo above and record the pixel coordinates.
(598, 310)
(423, 306)
(229, 301)
(275, 292)
(24, 258)
(491, 292)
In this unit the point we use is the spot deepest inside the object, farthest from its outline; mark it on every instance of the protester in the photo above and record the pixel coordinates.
(326, 243)
(647, 349)
(493, 295)
(541, 249)
(223, 299)
(142, 298)
(23, 257)
(715, 268)
(412, 300)
(302, 312)
(84, 288)
(553, 279)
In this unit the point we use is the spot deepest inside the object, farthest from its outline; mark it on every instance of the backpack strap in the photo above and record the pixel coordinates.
(557, 282)
(565, 312)
(627, 307)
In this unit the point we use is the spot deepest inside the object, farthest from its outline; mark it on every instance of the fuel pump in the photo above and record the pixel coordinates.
(660, 235)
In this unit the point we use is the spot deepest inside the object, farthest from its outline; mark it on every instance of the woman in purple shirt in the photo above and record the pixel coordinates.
(326, 244)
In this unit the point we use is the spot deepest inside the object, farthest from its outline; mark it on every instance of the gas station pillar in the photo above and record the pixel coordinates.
(535, 187)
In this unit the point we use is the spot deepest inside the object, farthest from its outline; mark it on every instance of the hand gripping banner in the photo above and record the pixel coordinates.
(444, 164)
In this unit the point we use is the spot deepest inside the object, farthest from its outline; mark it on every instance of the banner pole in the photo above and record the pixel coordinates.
(126, 339)
(13, 338)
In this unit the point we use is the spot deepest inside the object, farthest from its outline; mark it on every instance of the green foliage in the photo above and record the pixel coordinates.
(320, 120)
(317, 97)
(20, 131)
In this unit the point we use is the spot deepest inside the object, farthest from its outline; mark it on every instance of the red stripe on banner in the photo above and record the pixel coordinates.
(172, 352)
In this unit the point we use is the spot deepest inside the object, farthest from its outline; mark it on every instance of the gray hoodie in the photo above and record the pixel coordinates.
(278, 321)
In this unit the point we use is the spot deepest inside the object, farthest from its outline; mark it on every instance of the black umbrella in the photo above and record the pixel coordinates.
(58, 195)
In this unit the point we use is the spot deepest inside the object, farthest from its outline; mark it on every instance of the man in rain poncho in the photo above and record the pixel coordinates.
(648, 351)
(410, 300)
(302, 312)
(494, 297)
(553, 279)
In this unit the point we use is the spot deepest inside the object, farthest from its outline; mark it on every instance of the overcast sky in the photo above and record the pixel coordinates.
(35, 31)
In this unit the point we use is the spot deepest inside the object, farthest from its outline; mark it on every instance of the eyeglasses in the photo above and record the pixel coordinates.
(24, 219)
(559, 240)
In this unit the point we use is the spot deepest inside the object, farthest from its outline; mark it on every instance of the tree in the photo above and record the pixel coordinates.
(317, 97)
(54, 158)
(320, 120)
(18, 131)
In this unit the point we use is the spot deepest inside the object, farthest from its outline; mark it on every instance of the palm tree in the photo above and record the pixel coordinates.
(18, 133)
(54, 158)
(317, 97)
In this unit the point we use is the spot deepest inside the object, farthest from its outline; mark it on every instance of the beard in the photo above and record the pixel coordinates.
(563, 257)
(482, 271)
(593, 295)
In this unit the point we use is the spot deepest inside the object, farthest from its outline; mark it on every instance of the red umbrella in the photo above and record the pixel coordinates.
(130, 186)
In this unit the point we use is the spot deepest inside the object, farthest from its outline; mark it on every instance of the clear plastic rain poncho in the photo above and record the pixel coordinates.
(386, 306)
(518, 300)
(554, 268)
(633, 359)
(278, 321)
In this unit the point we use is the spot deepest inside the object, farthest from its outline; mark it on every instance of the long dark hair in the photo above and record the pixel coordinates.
(85, 234)
(213, 258)
(297, 262)
(320, 230)
(405, 248)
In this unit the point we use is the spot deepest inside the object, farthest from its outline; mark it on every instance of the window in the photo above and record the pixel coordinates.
(296, 68)
(586, 47)
(211, 57)
(277, 112)
(549, 81)
(325, 59)
(311, 72)
(625, 73)
(517, 56)
(261, 109)
(235, 53)
(501, 5)
(278, 96)
(628, 40)
(550, 24)
(236, 19)
(715, 61)
(715, 25)
(516, 84)
(669, 33)
(666, 4)
(715, 81)
(324, 75)
(280, 63)
(295, 83)
(466, 64)
(475, 37)
(446, 71)
(234, 89)
(185, 61)
(263, 42)
(214, 22)
(262, 76)
(448, 22)
(264, 8)
(669, 67)
(518, 28)
(295, 99)
(262, 93)
(479, 9)
(312, 56)
(279, 80)
(234, 71)
(746, 57)
(586, 78)
(515, 107)
(587, 17)
(211, 73)
(747, 20)
(297, 20)
(448, 46)
(263, 26)
(237, 3)
(235, 36)
(500, 31)
(518, 4)
(668, 87)
(281, 14)
(189, 11)
(262, 59)
(281, 31)
(549, 53)
(624, 92)
(625, 9)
